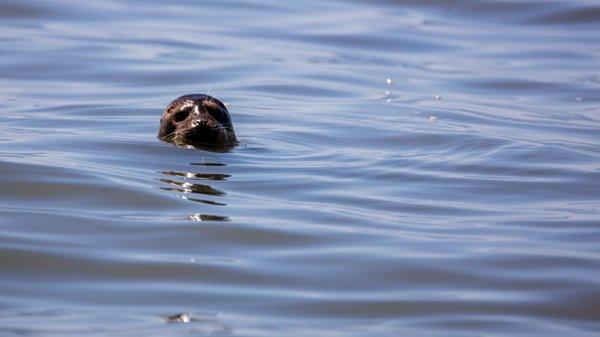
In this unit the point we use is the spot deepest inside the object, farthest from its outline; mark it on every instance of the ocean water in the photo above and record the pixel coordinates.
(406, 168)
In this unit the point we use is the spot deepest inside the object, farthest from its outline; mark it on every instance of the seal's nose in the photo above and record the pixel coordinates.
(200, 122)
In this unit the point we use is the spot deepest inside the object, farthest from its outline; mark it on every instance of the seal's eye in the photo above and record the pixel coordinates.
(214, 110)
(180, 116)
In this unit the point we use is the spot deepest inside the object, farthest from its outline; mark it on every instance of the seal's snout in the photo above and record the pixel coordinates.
(200, 123)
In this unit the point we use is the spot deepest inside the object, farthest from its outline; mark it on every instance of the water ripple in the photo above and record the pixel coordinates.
(406, 168)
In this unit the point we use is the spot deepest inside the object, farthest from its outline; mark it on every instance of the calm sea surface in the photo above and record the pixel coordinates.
(406, 168)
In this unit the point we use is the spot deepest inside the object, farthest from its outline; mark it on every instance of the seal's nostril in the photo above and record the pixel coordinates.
(180, 116)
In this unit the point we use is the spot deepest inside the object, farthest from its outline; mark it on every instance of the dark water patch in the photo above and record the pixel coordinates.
(13, 10)
(393, 43)
(575, 16)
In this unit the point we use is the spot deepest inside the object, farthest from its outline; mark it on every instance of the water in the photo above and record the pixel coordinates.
(407, 168)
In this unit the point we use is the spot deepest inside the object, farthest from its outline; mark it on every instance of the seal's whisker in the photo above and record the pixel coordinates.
(170, 135)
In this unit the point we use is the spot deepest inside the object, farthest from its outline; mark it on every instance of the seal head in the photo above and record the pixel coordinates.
(197, 120)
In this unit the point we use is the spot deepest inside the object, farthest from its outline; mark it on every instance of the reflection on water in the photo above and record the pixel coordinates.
(207, 217)
(207, 164)
(188, 186)
(190, 175)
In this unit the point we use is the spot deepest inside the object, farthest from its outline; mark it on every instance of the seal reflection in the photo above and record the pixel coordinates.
(195, 186)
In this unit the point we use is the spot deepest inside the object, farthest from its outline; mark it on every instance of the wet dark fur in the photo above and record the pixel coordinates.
(197, 120)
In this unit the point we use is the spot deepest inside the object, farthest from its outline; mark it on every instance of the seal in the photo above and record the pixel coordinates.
(183, 317)
(198, 120)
